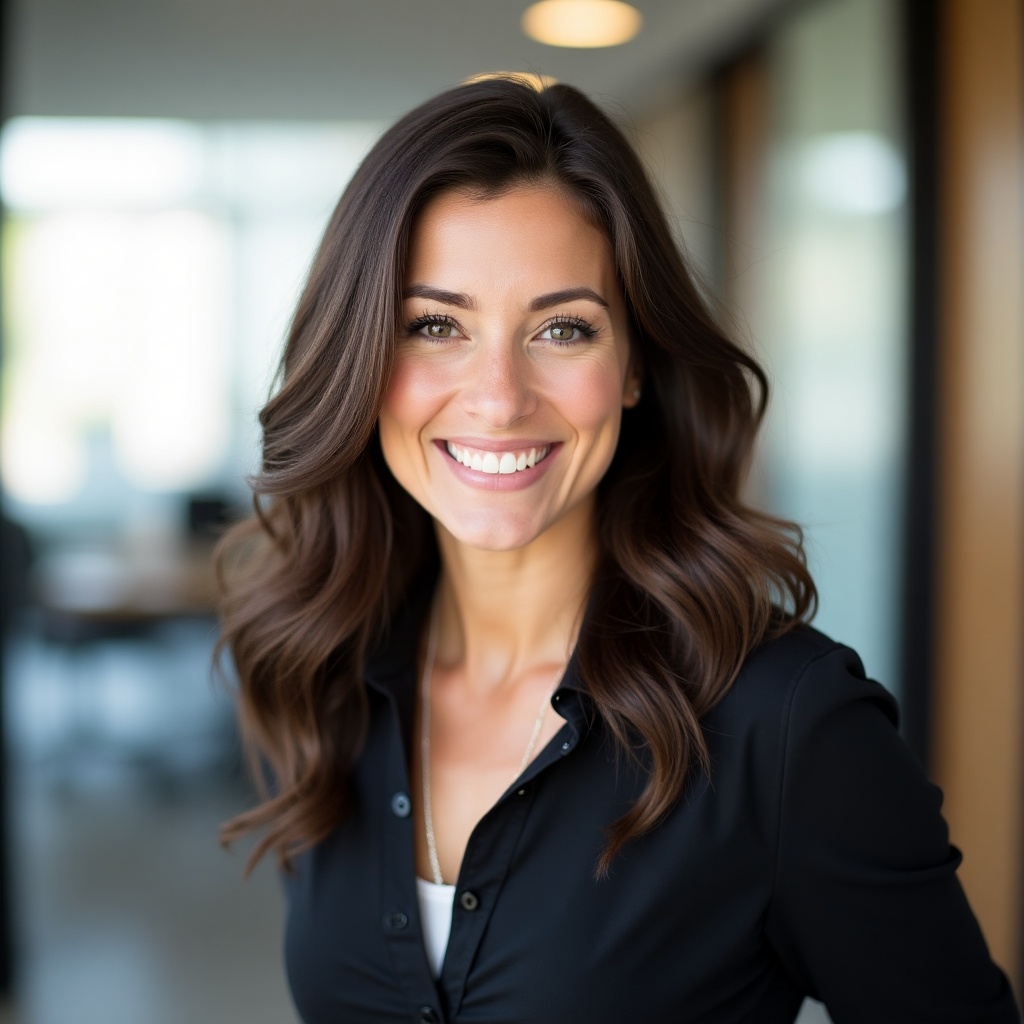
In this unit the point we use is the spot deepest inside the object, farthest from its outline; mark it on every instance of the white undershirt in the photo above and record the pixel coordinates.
(436, 902)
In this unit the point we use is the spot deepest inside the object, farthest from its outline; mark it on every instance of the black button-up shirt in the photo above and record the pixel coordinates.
(813, 861)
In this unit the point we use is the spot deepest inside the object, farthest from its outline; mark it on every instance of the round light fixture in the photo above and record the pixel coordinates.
(582, 23)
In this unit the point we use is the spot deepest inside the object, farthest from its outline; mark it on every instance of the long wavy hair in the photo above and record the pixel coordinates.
(689, 579)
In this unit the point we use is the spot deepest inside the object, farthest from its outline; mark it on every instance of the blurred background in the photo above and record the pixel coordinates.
(846, 176)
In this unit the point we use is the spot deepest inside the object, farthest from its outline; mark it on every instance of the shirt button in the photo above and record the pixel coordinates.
(566, 747)
(469, 900)
(428, 1015)
(395, 920)
(401, 805)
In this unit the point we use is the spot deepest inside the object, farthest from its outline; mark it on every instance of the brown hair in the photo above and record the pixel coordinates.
(689, 580)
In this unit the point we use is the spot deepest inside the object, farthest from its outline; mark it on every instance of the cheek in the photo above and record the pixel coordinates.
(414, 393)
(412, 386)
(414, 396)
(594, 400)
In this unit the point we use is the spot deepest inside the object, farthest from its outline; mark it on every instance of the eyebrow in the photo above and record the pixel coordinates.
(462, 301)
(566, 295)
(426, 291)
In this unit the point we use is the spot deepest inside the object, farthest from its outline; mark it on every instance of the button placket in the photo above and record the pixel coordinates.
(398, 872)
(488, 853)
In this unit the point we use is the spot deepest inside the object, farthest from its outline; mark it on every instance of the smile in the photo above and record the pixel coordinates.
(496, 463)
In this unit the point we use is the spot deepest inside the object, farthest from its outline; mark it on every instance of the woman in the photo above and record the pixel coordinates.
(547, 736)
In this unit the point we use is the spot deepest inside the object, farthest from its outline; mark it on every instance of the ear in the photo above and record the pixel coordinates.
(631, 389)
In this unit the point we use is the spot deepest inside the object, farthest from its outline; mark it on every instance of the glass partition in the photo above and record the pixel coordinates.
(831, 312)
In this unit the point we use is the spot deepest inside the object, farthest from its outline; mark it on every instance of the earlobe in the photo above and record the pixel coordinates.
(631, 389)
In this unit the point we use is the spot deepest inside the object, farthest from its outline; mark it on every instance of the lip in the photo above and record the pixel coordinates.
(492, 444)
(498, 481)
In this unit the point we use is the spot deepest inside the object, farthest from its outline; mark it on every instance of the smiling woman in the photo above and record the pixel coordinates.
(512, 370)
(547, 735)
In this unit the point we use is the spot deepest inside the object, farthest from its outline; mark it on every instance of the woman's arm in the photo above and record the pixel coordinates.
(867, 911)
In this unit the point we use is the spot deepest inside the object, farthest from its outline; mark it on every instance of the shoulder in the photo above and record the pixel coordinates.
(797, 701)
(817, 742)
(798, 675)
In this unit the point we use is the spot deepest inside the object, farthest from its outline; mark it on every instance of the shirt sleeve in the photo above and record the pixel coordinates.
(867, 912)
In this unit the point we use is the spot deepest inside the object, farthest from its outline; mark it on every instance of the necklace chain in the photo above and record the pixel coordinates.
(428, 816)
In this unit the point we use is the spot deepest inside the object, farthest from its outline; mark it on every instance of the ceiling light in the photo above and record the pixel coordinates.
(582, 23)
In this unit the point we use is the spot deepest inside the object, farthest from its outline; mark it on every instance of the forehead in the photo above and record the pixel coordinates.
(531, 236)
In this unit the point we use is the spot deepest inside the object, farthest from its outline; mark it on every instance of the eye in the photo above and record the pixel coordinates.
(433, 325)
(563, 332)
(567, 330)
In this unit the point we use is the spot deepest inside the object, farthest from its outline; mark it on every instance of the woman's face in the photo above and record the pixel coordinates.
(512, 369)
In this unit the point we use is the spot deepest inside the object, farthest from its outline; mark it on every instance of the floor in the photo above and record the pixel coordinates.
(123, 763)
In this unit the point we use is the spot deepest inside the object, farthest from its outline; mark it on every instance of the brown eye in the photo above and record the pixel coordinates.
(562, 332)
(570, 331)
(567, 331)
(433, 325)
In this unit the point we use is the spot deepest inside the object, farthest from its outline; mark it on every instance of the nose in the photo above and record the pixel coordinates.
(498, 390)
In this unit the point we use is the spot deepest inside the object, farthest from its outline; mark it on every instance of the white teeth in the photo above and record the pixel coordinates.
(492, 463)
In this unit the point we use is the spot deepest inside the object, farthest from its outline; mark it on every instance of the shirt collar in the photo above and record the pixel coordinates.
(391, 669)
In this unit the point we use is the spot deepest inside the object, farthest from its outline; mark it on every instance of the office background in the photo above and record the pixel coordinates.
(846, 176)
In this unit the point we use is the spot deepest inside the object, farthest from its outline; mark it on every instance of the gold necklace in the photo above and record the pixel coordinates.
(428, 817)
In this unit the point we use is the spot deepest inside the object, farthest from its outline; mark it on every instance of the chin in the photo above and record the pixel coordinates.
(487, 534)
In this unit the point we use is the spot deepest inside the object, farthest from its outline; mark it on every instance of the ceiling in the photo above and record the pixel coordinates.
(330, 59)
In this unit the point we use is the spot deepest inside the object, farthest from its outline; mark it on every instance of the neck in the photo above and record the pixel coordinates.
(502, 613)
